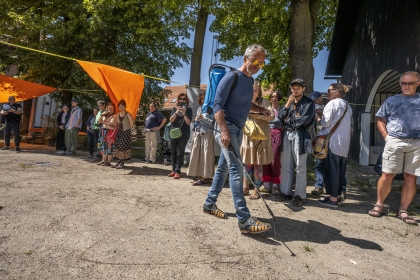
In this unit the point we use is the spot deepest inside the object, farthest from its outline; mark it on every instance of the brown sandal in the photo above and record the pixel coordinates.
(377, 213)
(407, 219)
(246, 189)
(100, 163)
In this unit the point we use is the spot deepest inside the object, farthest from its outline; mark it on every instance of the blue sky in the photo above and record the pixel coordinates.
(182, 75)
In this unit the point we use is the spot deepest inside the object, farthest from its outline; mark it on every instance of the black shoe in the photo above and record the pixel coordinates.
(17, 150)
(5, 148)
(317, 191)
(283, 197)
(327, 202)
(297, 202)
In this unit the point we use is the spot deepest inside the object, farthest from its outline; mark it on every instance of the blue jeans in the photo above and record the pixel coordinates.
(319, 169)
(230, 164)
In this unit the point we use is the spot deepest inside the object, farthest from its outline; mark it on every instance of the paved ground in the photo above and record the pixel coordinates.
(71, 219)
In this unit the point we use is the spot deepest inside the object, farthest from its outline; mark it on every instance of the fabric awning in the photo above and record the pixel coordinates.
(20, 89)
(117, 83)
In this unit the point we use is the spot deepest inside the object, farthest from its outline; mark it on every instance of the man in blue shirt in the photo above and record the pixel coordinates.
(230, 112)
(399, 124)
(154, 122)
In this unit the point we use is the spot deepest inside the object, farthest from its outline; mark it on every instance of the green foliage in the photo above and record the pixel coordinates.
(138, 36)
(267, 22)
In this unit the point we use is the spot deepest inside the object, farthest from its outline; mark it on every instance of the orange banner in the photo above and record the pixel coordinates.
(20, 89)
(117, 83)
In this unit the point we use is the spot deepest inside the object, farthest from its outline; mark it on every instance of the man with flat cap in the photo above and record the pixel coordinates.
(298, 115)
(73, 127)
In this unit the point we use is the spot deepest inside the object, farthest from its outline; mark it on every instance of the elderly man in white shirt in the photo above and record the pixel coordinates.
(335, 162)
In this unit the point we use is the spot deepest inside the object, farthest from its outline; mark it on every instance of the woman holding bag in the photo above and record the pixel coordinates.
(122, 151)
(256, 153)
(180, 119)
(108, 120)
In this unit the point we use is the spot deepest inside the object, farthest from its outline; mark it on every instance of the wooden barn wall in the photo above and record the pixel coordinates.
(387, 37)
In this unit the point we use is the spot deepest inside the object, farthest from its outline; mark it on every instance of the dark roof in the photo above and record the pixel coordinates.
(344, 29)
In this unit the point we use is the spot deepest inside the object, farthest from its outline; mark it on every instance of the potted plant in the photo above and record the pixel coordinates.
(51, 128)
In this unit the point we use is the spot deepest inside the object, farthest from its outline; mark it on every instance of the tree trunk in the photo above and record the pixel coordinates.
(66, 98)
(303, 14)
(26, 115)
(197, 54)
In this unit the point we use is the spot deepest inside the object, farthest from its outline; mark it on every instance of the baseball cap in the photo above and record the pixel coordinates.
(75, 100)
(315, 95)
(298, 81)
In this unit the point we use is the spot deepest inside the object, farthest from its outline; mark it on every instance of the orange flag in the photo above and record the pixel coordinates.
(117, 83)
(21, 90)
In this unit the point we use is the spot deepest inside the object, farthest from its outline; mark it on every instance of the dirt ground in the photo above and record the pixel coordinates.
(72, 219)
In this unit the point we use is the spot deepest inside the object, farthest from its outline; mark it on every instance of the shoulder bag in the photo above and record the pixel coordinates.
(176, 132)
(253, 130)
(321, 143)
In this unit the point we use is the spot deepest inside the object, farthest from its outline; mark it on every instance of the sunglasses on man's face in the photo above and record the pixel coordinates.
(408, 83)
(256, 62)
(182, 98)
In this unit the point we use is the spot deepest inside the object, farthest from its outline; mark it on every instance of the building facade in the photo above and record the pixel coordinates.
(373, 43)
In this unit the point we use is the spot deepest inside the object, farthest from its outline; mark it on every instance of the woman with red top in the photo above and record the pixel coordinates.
(108, 120)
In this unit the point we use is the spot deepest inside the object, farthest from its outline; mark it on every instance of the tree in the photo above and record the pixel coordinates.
(133, 35)
(292, 31)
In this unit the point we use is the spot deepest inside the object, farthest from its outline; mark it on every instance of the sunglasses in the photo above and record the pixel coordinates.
(256, 62)
(408, 83)
(331, 90)
(182, 98)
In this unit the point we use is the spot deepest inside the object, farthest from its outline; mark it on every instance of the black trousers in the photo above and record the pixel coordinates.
(13, 125)
(91, 142)
(334, 173)
(178, 151)
(95, 141)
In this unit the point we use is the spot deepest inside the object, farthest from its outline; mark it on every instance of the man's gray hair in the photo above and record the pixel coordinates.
(253, 48)
(411, 73)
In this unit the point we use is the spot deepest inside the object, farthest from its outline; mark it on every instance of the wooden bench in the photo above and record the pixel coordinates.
(35, 133)
(137, 137)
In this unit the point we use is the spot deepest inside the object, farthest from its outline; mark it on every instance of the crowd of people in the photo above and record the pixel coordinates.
(270, 164)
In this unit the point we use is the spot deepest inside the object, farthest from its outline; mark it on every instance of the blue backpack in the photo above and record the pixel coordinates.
(216, 73)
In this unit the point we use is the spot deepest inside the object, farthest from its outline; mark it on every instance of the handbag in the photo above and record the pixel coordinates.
(253, 130)
(321, 143)
(176, 133)
(112, 137)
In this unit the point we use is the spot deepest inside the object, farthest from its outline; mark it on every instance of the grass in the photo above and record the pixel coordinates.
(24, 165)
(308, 248)
(370, 227)
(364, 188)
(28, 253)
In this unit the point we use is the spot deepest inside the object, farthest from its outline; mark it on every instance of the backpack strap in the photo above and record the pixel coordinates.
(235, 81)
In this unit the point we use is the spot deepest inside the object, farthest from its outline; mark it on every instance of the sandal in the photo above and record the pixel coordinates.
(255, 195)
(120, 165)
(377, 213)
(106, 164)
(100, 163)
(407, 219)
(199, 182)
(274, 190)
(264, 190)
(246, 190)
